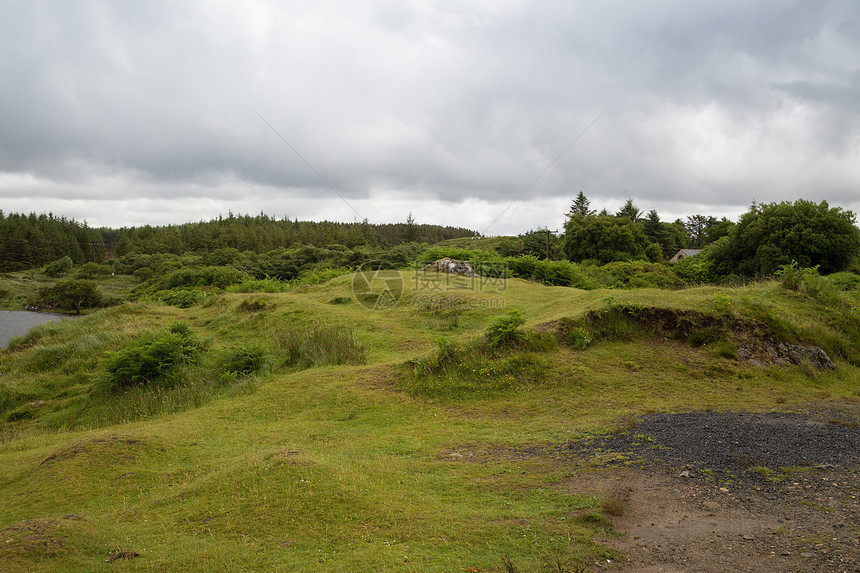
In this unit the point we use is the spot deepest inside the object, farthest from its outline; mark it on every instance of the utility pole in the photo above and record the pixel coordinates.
(547, 241)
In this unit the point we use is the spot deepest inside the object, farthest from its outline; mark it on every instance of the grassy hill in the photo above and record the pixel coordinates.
(313, 434)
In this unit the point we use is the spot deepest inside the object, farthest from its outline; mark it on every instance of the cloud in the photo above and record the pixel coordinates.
(440, 105)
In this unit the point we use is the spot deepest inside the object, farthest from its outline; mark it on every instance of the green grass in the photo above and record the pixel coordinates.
(357, 440)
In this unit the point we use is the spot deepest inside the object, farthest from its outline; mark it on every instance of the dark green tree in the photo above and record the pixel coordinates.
(660, 233)
(716, 230)
(60, 267)
(678, 231)
(410, 232)
(696, 225)
(773, 234)
(605, 239)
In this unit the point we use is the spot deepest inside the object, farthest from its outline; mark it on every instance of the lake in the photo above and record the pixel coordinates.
(17, 322)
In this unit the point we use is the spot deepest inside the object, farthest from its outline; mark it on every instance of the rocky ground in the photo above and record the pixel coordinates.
(723, 491)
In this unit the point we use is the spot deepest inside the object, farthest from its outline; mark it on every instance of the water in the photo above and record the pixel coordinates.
(17, 322)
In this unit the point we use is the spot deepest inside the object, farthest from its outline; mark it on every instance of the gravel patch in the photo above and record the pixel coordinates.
(731, 444)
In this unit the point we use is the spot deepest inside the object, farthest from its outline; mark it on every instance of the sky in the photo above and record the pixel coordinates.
(485, 114)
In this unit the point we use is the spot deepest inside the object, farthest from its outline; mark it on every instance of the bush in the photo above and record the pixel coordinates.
(245, 361)
(845, 281)
(637, 274)
(218, 277)
(153, 358)
(506, 329)
(143, 274)
(180, 298)
(557, 273)
(90, 270)
(60, 267)
(73, 294)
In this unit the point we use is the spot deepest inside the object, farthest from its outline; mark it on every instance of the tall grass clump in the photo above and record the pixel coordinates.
(41, 333)
(616, 322)
(320, 346)
(75, 355)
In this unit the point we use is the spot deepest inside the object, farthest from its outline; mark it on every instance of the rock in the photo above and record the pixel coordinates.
(784, 354)
(685, 474)
(449, 265)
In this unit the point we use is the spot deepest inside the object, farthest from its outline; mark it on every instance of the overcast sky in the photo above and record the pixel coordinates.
(157, 112)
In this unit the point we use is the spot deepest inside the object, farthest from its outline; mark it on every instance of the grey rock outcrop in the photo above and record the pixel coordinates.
(449, 265)
(783, 354)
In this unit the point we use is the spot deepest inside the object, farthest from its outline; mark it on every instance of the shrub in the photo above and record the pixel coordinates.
(845, 281)
(60, 267)
(245, 361)
(152, 358)
(695, 270)
(319, 275)
(143, 274)
(180, 297)
(72, 294)
(637, 274)
(90, 270)
(506, 329)
(218, 277)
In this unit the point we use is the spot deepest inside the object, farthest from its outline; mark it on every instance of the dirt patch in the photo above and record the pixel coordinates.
(121, 445)
(129, 554)
(677, 524)
(722, 491)
(32, 537)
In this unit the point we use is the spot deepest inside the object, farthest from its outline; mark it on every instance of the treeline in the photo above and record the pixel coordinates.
(28, 241)
(261, 234)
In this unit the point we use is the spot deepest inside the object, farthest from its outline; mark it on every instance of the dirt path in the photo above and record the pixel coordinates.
(709, 492)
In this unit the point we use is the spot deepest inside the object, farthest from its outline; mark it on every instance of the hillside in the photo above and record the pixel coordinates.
(314, 434)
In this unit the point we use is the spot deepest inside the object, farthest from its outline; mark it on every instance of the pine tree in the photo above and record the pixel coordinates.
(579, 207)
(629, 211)
(410, 232)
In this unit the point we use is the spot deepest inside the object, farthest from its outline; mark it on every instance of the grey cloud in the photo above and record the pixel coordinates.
(436, 100)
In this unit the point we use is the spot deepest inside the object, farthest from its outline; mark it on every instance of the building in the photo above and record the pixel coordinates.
(684, 253)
